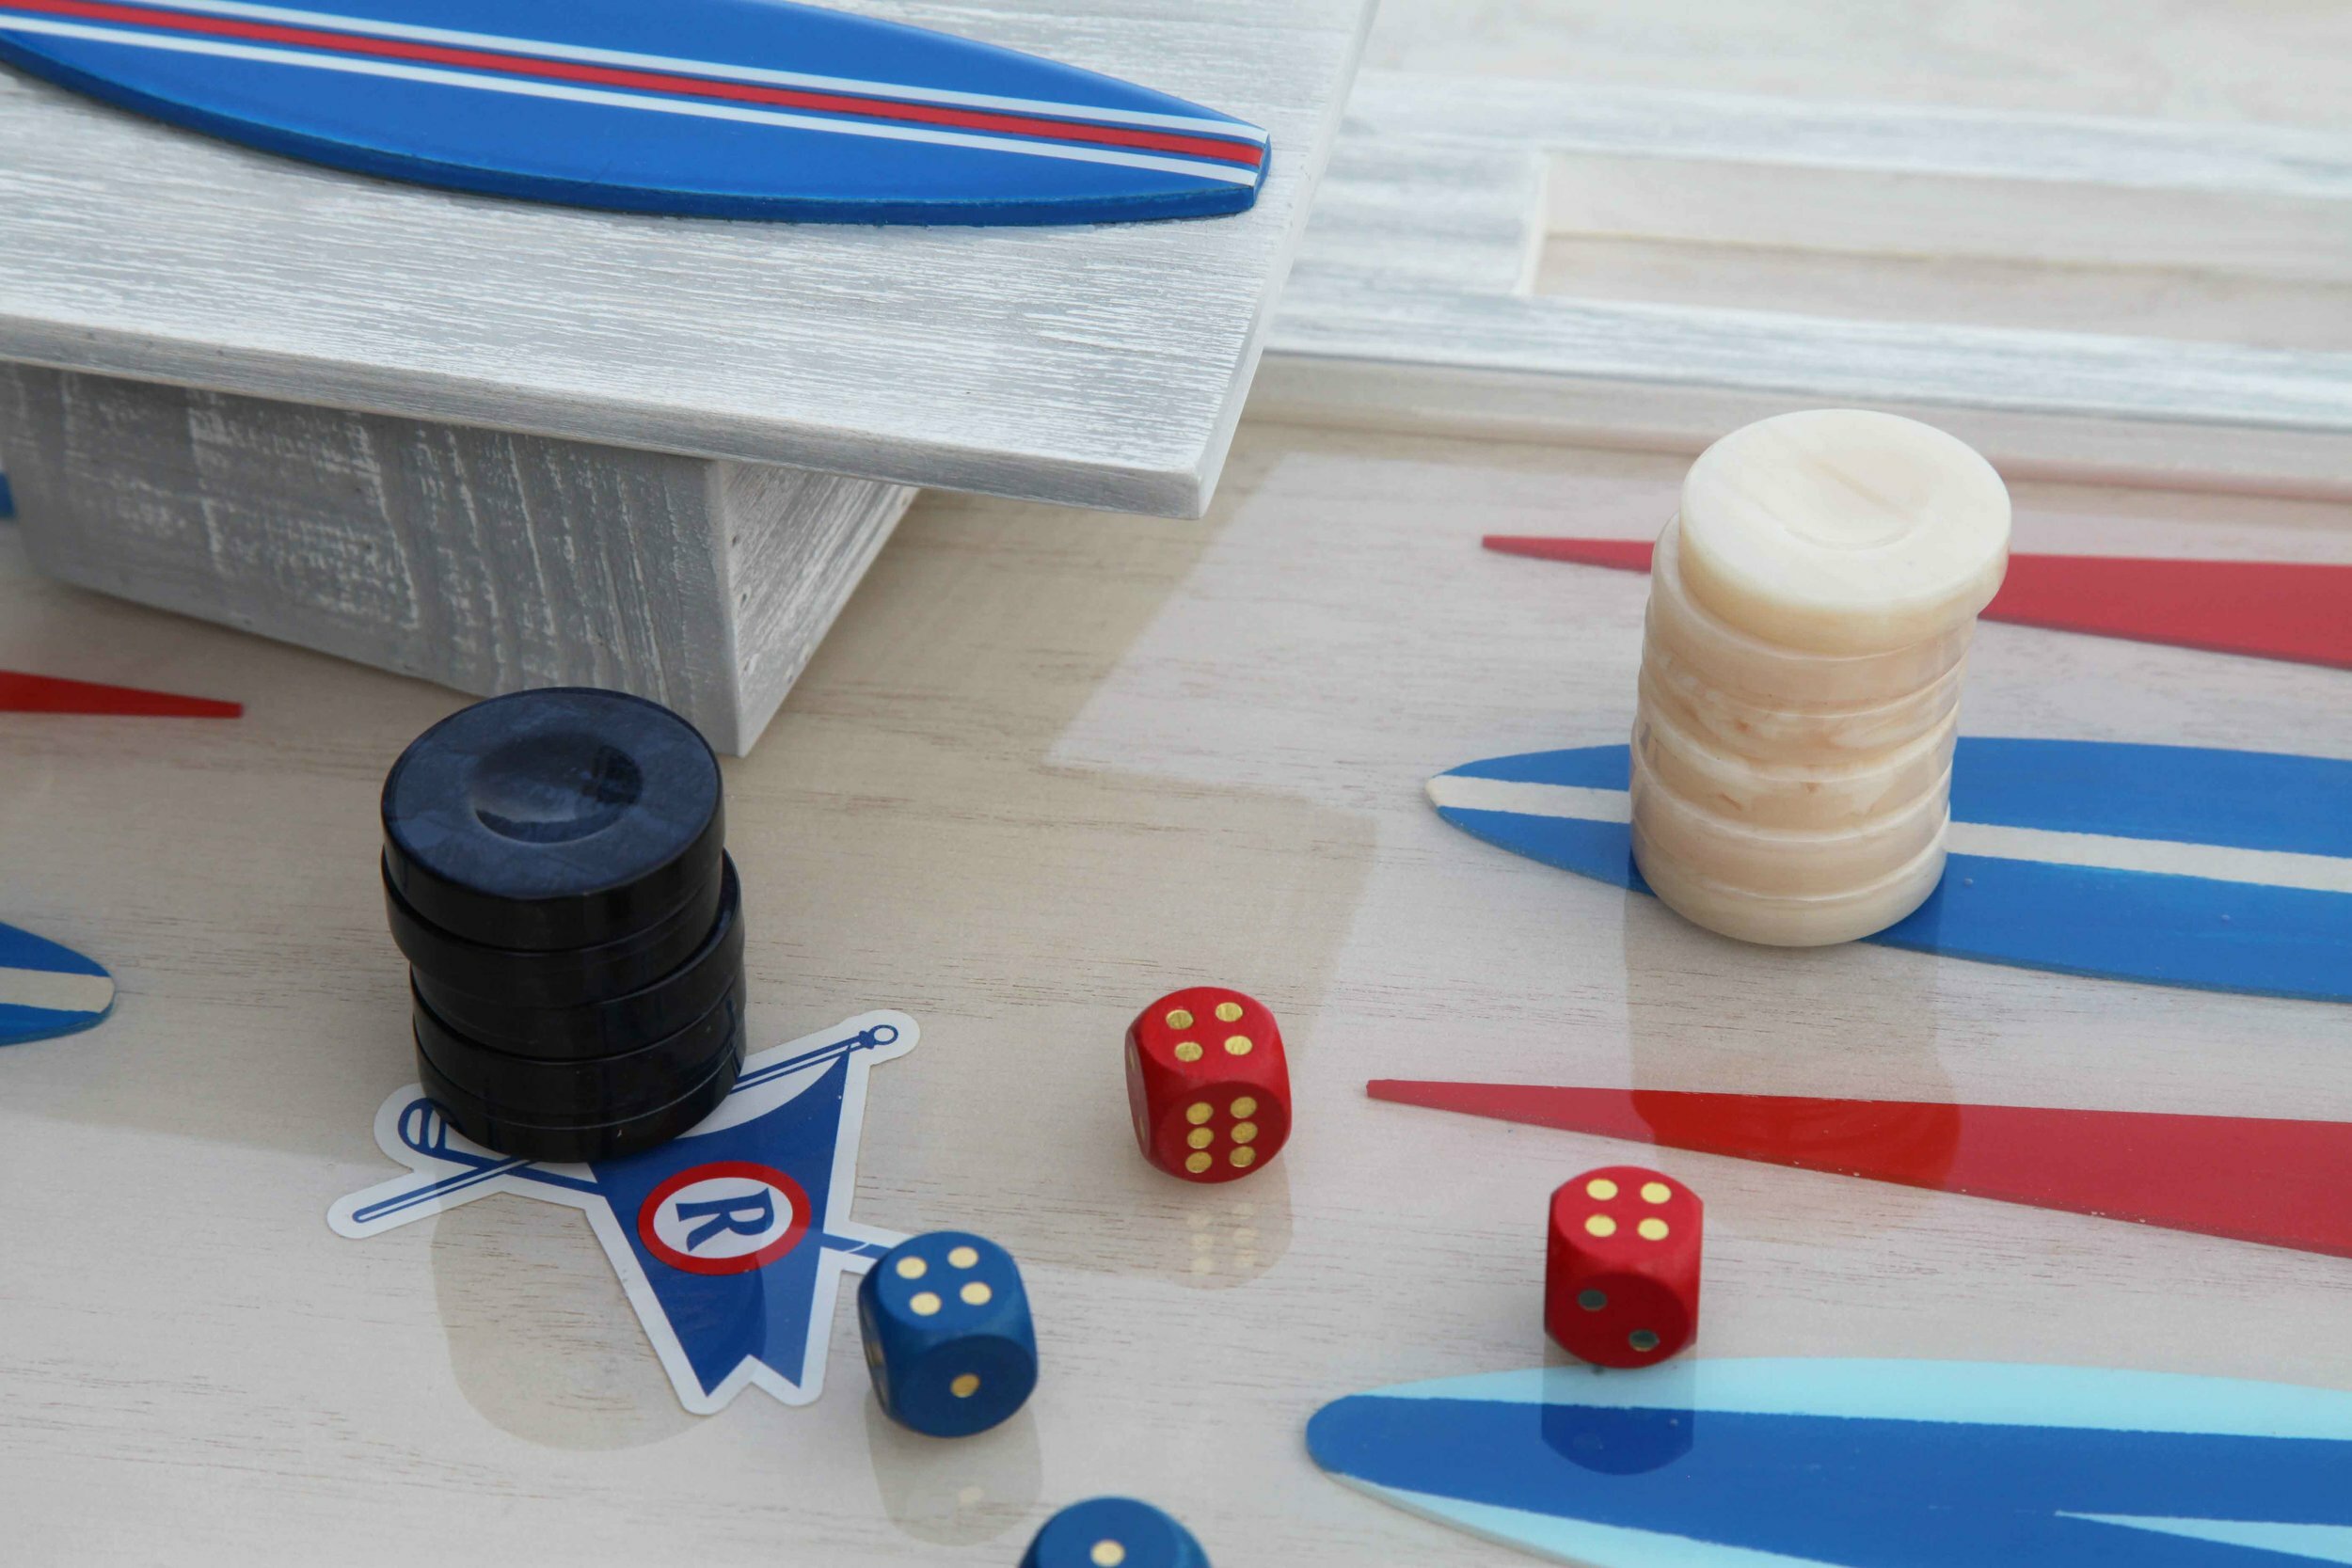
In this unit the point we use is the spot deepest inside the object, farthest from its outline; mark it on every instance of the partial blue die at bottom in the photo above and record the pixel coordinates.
(1113, 1533)
(948, 1336)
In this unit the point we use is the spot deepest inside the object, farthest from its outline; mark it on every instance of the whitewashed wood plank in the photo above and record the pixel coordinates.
(2196, 61)
(1103, 366)
(2058, 373)
(1920, 138)
(1413, 347)
(1434, 215)
(796, 546)
(2063, 226)
(480, 559)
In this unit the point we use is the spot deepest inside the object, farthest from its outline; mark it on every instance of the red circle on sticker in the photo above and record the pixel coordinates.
(705, 1220)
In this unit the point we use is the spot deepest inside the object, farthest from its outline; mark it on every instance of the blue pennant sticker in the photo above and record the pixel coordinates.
(731, 1240)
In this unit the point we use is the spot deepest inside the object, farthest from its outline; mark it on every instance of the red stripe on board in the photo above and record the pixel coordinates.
(2295, 611)
(1626, 555)
(2268, 609)
(2278, 1183)
(22, 693)
(1244, 154)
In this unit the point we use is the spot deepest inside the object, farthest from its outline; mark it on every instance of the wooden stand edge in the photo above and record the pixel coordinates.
(480, 559)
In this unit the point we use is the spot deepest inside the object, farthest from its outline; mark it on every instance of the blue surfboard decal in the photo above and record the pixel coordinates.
(1861, 1464)
(46, 990)
(2166, 864)
(729, 108)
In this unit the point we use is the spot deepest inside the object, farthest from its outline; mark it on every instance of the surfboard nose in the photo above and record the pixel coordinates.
(2122, 860)
(48, 989)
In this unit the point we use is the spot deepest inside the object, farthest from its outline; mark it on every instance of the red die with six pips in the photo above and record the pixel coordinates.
(1208, 1084)
(1621, 1279)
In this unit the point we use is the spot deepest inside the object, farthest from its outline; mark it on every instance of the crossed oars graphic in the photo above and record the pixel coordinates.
(425, 1130)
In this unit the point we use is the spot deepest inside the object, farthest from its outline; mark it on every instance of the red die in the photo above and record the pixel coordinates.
(1621, 1279)
(1208, 1084)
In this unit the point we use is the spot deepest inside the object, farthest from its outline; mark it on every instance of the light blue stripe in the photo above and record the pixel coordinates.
(2320, 1543)
(1981, 1393)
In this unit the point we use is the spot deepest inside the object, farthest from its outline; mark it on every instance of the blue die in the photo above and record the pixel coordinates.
(948, 1334)
(1113, 1533)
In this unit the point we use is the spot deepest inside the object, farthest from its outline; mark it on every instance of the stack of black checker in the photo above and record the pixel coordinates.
(556, 873)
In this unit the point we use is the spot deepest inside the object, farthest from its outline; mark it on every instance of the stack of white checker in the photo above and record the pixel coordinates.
(1809, 620)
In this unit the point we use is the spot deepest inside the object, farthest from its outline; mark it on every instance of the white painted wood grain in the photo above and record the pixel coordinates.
(2201, 61)
(1424, 344)
(1100, 365)
(482, 561)
(1585, 116)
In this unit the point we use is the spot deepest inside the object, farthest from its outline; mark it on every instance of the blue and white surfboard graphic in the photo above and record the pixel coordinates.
(47, 990)
(726, 109)
(1746, 1463)
(731, 1240)
(2168, 864)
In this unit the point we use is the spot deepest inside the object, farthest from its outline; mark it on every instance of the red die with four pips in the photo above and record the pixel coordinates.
(1208, 1084)
(1621, 1279)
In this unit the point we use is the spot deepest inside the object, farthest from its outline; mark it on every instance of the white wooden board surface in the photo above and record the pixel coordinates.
(1042, 770)
(1101, 366)
(1443, 278)
(2218, 62)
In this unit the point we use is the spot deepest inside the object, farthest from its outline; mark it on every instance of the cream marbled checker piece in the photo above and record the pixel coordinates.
(1838, 531)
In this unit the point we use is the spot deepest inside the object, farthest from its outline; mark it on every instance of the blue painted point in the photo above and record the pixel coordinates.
(47, 990)
(2170, 865)
(720, 108)
(1116, 1531)
(8, 499)
(1860, 1464)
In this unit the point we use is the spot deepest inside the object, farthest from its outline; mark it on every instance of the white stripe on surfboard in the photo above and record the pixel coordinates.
(1960, 1393)
(2318, 1542)
(56, 991)
(366, 25)
(1453, 790)
(2215, 862)
(523, 88)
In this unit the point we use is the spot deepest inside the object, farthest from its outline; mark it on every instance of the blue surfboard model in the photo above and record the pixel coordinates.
(725, 108)
(1860, 1464)
(2168, 864)
(47, 990)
